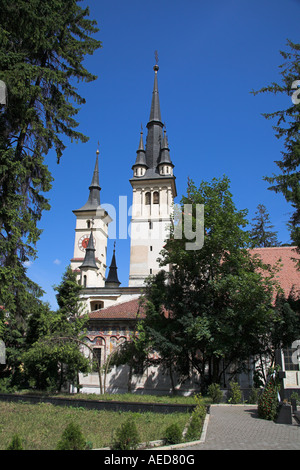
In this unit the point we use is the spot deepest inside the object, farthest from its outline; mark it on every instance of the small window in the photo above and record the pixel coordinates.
(96, 359)
(150, 270)
(151, 248)
(156, 197)
(150, 225)
(96, 305)
(88, 224)
(84, 281)
(148, 199)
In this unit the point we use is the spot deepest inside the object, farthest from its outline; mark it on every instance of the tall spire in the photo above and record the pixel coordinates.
(154, 126)
(89, 259)
(112, 278)
(93, 201)
(155, 105)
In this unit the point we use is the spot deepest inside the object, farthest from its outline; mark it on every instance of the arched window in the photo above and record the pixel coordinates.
(84, 281)
(156, 197)
(148, 199)
(88, 224)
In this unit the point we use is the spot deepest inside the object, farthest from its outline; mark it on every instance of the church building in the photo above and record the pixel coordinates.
(113, 309)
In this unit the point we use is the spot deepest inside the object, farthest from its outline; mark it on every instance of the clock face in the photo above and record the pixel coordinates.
(83, 242)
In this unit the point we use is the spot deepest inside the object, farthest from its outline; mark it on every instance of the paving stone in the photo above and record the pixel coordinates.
(237, 427)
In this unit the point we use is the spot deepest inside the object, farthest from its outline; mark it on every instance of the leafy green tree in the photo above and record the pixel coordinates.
(43, 46)
(261, 234)
(213, 309)
(54, 356)
(287, 127)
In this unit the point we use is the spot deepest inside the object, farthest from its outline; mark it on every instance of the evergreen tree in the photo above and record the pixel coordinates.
(288, 127)
(261, 234)
(43, 46)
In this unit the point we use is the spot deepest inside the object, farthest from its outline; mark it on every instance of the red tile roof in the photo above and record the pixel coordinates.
(288, 275)
(125, 310)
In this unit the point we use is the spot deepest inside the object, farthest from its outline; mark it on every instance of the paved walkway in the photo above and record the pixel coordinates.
(237, 427)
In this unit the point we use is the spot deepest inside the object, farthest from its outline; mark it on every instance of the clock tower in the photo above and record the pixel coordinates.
(91, 231)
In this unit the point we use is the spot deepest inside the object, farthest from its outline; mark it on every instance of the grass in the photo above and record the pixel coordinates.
(40, 426)
(125, 397)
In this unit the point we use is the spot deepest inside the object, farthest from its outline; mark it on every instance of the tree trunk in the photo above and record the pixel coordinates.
(216, 369)
(129, 384)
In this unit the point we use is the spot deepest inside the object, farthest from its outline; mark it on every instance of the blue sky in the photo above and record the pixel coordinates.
(211, 55)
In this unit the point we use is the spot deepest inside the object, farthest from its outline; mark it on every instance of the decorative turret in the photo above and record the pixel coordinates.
(165, 165)
(140, 166)
(89, 258)
(112, 278)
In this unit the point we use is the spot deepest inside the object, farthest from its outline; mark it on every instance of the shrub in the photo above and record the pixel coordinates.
(126, 436)
(235, 394)
(215, 393)
(196, 423)
(268, 402)
(253, 396)
(16, 443)
(72, 438)
(173, 434)
(296, 397)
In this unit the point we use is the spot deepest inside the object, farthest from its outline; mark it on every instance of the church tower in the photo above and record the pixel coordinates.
(154, 190)
(91, 234)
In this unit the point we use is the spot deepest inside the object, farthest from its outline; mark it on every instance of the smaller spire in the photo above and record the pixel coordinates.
(165, 151)
(112, 278)
(89, 258)
(141, 154)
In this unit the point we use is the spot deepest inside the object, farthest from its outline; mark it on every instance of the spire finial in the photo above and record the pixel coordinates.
(156, 68)
(97, 152)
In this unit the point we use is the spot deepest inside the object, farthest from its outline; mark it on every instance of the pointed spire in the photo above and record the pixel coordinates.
(141, 145)
(155, 105)
(154, 127)
(140, 157)
(165, 151)
(89, 259)
(112, 278)
(93, 201)
(157, 148)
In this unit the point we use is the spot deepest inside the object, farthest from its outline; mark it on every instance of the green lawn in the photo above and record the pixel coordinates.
(40, 426)
(127, 397)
